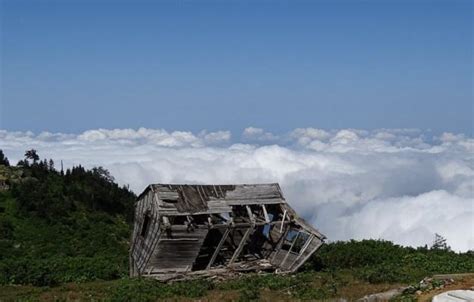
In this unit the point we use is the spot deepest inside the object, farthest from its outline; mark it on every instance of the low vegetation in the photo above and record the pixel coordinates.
(64, 235)
(62, 226)
(378, 261)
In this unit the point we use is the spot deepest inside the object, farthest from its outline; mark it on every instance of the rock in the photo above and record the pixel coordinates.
(454, 296)
(385, 296)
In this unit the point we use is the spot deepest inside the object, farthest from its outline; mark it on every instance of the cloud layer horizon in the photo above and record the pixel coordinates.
(402, 185)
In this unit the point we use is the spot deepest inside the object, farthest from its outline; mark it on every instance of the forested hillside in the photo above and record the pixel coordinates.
(73, 227)
(60, 226)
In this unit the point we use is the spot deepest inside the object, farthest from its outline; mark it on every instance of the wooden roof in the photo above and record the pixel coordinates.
(184, 198)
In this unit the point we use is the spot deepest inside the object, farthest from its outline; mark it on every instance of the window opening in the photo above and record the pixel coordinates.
(146, 225)
(295, 238)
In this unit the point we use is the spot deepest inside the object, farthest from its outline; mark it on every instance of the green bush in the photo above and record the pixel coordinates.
(378, 261)
(383, 274)
(143, 289)
(304, 285)
(354, 254)
(47, 272)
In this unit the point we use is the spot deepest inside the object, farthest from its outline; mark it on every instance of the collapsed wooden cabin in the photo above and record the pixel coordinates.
(195, 230)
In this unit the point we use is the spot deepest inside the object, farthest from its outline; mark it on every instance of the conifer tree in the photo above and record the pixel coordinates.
(3, 159)
(33, 155)
(440, 243)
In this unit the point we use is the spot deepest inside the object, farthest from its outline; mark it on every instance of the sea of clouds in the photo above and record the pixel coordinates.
(403, 185)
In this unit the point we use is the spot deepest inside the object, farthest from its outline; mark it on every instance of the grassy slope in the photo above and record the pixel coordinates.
(306, 286)
(57, 228)
(89, 246)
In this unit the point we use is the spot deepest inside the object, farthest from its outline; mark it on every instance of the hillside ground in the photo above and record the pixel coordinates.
(302, 286)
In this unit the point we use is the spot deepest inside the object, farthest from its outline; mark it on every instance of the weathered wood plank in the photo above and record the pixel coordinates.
(281, 240)
(218, 248)
(242, 243)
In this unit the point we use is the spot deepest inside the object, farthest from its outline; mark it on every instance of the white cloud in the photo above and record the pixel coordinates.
(258, 134)
(215, 137)
(397, 184)
(304, 136)
(435, 211)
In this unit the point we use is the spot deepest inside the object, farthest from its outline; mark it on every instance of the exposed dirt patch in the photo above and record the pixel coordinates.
(360, 289)
(222, 295)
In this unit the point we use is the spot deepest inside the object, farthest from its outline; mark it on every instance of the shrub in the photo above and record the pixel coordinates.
(143, 289)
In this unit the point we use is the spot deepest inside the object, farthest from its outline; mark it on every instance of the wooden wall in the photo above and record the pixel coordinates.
(178, 251)
(143, 246)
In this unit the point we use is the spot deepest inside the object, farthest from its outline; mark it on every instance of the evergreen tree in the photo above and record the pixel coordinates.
(51, 165)
(3, 159)
(33, 155)
(23, 163)
(440, 243)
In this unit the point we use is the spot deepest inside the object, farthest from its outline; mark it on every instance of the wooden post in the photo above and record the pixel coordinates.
(251, 216)
(282, 240)
(282, 221)
(218, 248)
(241, 246)
(265, 213)
(131, 264)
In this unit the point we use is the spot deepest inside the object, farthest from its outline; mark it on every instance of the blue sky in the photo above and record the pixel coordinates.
(69, 66)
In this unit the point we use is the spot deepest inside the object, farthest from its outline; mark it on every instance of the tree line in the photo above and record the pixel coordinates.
(52, 194)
